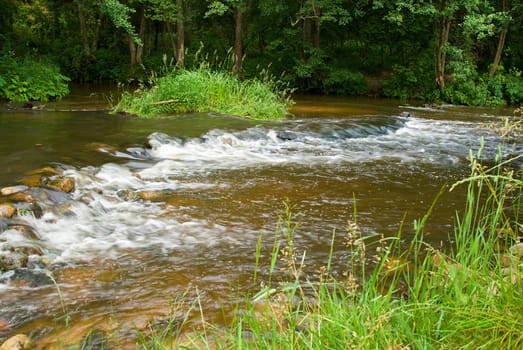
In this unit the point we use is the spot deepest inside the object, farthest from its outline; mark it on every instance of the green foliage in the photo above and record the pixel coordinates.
(345, 82)
(412, 81)
(318, 46)
(470, 88)
(120, 16)
(514, 88)
(203, 90)
(29, 79)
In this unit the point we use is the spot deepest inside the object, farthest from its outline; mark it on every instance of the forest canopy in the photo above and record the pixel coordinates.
(463, 52)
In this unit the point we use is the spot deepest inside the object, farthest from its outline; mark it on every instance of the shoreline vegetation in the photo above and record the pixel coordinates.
(460, 52)
(204, 90)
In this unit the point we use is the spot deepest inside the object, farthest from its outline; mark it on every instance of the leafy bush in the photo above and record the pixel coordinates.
(203, 90)
(345, 82)
(514, 88)
(410, 82)
(29, 79)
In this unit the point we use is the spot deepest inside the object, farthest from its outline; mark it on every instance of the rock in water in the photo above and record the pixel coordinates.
(6, 191)
(286, 135)
(7, 210)
(18, 342)
(64, 184)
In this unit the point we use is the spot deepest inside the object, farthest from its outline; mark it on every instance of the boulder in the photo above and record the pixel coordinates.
(7, 210)
(18, 342)
(12, 261)
(64, 184)
(21, 197)
(286, 135)
(49, 197)
(7, 191)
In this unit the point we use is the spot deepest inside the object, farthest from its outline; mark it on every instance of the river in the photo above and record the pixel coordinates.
(120, 261)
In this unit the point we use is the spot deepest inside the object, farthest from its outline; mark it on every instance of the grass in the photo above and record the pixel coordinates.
(395, 294)
(203, 90)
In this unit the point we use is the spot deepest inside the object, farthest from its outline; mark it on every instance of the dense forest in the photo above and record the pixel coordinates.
(463, 52)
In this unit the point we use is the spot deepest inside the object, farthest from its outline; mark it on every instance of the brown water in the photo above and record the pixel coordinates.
(119, 262)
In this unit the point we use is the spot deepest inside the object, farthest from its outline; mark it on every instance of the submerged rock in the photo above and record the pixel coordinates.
(45, 171)
(28, 277)
(18, 342)
(128, 195)
(286, 135)
(32, 180)
(154, 196)
(12, 261)
(49, 197)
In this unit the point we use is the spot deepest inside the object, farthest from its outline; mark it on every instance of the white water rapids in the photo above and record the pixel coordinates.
(99, 222)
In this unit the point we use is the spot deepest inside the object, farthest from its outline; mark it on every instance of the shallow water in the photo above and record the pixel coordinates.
(120, 260)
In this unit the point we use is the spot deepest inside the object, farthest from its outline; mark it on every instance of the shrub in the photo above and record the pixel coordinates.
(514, 88)
(29, 79)
(415, 80)
(345, 82)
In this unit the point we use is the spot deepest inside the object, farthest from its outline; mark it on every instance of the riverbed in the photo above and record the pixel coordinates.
(118, 261)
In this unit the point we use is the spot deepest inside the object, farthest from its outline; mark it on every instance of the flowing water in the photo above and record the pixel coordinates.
(119, 259)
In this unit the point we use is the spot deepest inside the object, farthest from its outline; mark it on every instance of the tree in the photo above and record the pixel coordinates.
(170, 12)
(238, 8)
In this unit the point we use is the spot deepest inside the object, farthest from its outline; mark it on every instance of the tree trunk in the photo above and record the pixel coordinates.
(180, 59)
(136, 51)
(238, 42)
(499, 51)
(316, 27)
(443, 38)
(83, 30)
(171, 39)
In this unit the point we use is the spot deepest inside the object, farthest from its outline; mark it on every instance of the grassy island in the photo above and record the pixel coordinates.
(203, 90)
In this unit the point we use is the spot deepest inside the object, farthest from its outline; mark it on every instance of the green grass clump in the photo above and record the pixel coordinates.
(203, 90)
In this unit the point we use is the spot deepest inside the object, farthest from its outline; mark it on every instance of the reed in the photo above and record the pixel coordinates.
(203, 90)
